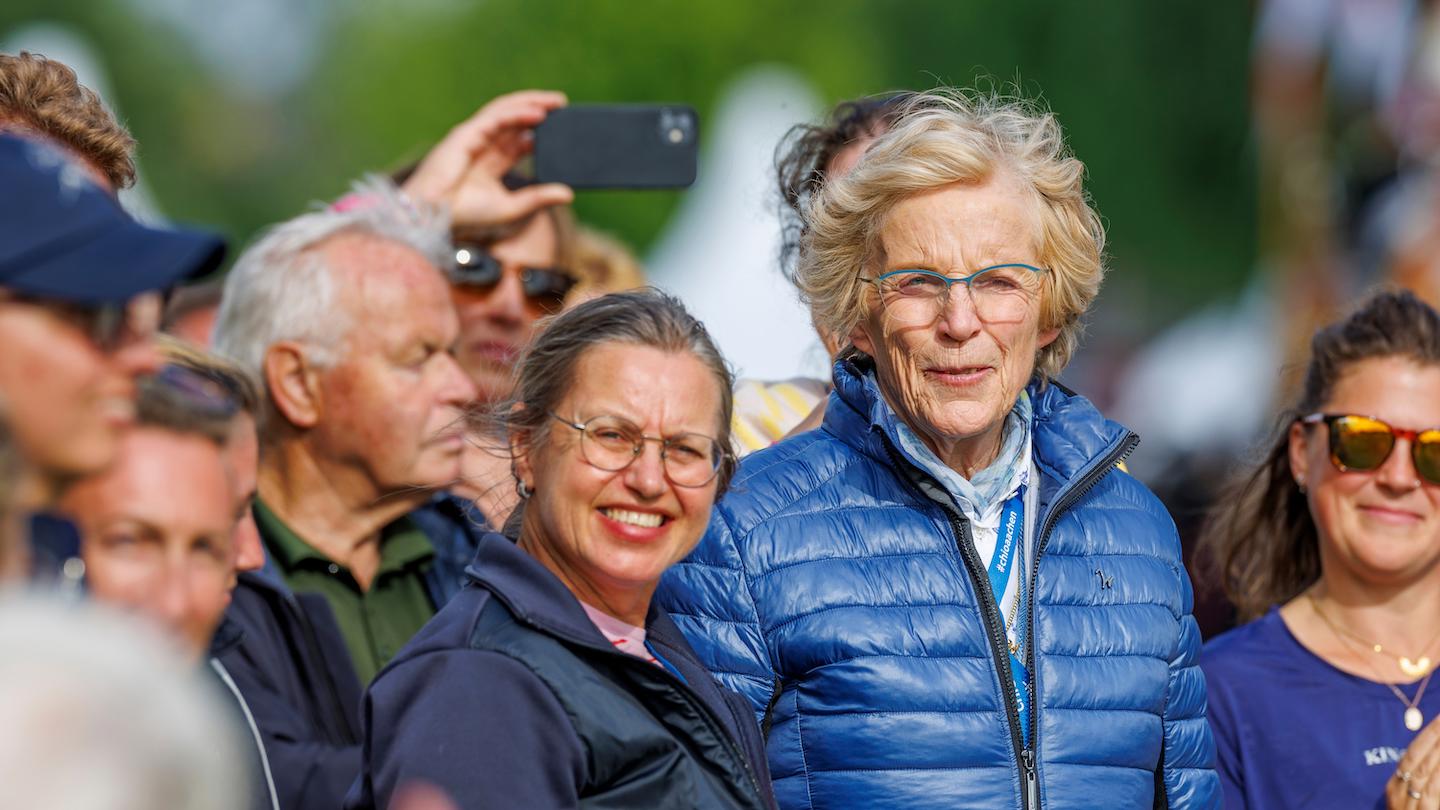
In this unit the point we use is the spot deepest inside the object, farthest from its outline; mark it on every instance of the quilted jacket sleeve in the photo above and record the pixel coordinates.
(708, 595)
(1188, 760)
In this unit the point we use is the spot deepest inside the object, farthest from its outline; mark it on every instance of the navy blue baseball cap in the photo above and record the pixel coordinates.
(63, 238)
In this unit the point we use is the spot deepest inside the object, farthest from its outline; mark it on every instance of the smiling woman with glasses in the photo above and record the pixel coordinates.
(1330, 550)
(552, 680)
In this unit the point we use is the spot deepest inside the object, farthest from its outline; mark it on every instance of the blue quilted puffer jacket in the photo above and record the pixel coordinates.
(837, 589)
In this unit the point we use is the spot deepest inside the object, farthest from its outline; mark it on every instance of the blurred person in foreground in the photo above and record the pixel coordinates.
(159, 528)
(345, 318)
(552, 680)
(99, 712)
(14, 560)
(808, 155)
(955, 545)
(1330, 550)
(79, 304)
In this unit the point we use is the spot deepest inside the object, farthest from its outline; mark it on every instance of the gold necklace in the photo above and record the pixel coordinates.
(1414, 718)
(1412, 669)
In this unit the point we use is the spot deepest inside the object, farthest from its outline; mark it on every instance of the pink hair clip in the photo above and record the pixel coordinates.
(352, 202)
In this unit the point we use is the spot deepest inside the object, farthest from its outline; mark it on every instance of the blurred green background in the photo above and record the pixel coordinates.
(247, 111)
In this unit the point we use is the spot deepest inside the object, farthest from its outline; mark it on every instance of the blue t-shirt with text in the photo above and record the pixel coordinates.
(1292, 731)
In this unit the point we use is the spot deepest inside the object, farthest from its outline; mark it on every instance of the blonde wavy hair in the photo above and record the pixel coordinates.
(950, 136)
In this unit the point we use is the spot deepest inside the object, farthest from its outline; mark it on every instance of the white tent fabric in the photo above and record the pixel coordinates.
(720, 251)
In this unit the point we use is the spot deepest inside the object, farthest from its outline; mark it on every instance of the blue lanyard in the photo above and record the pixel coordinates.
(1004, 563)
(1008, 536)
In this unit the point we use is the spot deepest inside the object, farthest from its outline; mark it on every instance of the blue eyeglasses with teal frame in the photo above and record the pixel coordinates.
(1000, 293)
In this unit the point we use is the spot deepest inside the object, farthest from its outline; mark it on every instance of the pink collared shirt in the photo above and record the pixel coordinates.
(626, 637)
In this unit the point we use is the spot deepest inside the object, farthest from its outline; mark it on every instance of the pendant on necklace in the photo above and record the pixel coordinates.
(1415, 669)
(1414, 719)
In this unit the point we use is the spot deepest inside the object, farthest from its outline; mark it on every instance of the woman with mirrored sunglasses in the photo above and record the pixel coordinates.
(1330, 551)
(552, 680)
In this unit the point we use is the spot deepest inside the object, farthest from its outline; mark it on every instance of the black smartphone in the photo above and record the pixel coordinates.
(625, 146)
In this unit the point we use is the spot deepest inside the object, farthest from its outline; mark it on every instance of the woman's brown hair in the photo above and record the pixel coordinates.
(1260, 541)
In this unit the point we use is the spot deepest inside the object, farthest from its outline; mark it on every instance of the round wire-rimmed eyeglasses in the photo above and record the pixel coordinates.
(612, 443)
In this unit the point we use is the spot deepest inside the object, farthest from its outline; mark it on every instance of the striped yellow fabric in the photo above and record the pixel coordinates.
(766, 411)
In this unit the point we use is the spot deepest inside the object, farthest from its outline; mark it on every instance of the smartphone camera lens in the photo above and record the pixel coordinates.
(677, 126)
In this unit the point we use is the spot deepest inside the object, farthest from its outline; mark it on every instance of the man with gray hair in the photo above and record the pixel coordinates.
(344, 316)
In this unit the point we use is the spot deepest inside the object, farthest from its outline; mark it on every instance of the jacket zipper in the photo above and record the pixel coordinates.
(990, 615)
(1071, 497)
(775, 687)
(994, 631)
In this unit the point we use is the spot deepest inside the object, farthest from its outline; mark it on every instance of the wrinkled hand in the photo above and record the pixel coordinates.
(1415, 784)
(464, 170)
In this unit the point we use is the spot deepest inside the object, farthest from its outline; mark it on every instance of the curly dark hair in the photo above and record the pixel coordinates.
(805, 152)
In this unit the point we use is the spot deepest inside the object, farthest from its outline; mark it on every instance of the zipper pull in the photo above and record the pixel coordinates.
(1032, 780)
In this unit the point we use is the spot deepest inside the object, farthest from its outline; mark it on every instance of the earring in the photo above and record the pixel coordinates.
(523, 491)
(1300, 484)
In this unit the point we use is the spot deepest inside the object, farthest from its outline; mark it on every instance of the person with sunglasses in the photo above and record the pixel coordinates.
(80, 298)
(513, 247)
(512, 238)
(1329, 549)
(552, 680)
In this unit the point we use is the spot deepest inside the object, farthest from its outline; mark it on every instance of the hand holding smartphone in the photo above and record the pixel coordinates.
(465, 170)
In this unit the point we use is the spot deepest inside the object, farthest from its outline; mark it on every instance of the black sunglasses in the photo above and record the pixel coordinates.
(544, 287)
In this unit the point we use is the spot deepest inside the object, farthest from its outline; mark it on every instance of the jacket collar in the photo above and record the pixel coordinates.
(1068, 435)
(538, 598)
(227, 637)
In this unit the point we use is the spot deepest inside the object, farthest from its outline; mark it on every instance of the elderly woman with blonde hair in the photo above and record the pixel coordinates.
(949, 595)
